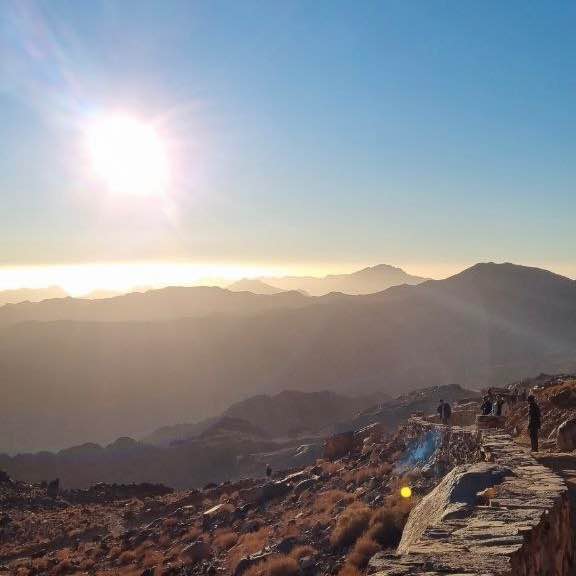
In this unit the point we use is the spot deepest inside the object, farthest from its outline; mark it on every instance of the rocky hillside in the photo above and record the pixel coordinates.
(326, 518)
(290, 413)
(287, 431)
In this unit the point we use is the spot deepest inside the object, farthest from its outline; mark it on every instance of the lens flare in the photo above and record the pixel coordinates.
(406, 492)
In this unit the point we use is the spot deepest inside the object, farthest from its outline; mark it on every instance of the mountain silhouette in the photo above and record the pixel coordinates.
(365, 281)
(30, 295)
(153, 305)
(95, 381)
(253, 285)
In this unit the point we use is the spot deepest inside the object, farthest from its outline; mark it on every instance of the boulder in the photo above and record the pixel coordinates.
(566, 439)
(274, 490)
(455, 496)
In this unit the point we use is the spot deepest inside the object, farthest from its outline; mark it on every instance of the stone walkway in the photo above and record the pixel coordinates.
(524, 530)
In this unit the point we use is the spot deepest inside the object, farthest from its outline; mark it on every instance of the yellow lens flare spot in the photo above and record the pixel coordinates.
(406, 492)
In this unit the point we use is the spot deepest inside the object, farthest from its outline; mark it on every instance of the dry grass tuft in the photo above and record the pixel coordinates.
(277, 566)
(248, 544)
(364, 549)
(224, 539)
(302, 551)
(349, 570)
(350, 525)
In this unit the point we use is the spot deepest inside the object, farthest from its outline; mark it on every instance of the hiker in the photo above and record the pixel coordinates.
(486, 406)
(268, 471)
(444, 411)
(497, 406)
(534, 422)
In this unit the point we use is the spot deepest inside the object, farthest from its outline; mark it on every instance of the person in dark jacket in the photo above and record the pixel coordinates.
(486, 406)
(534, 422)
(445, 411)
(497, 407)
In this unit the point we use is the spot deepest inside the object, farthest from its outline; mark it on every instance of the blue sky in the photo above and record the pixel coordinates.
(314, 135)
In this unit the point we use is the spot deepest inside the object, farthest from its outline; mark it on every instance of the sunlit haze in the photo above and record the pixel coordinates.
(186, 138)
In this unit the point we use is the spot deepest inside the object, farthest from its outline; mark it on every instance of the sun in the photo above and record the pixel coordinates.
(128, 155)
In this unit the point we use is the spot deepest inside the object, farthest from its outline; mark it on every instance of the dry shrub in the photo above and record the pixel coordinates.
(62, 568)
(325, 501)
(328, 467)
(349, 570)
(87, 565)
(351, 524)
(277, 566)
(224, 539)
(152, 558)
(127, 557)
(193, 533)
(387, 523)
(364, 549)
(248, 544)
(302, 551)
(170, 522)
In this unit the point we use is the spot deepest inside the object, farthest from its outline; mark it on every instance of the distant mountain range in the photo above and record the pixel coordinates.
(366, 281)
(287, 414)
(30, 294)
(127, 365)
(253, 285)
(151, 306)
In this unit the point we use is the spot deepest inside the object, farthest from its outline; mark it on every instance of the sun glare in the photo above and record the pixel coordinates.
(128, 156)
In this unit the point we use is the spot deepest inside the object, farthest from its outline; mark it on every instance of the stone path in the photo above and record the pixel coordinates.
(565, 466)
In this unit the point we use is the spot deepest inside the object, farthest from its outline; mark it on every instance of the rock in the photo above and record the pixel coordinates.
(286, 545)
(304, 485)
(566, 440)
(308, 565)
(454, 497)
(274, 490)
(565, 398)
(250, 561)
(198, 550)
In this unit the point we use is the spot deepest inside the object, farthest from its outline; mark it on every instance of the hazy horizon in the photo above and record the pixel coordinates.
(82, 279)
(283, 138)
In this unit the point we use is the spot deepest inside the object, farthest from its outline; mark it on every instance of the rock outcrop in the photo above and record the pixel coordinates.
(520, 524)
(566, 440)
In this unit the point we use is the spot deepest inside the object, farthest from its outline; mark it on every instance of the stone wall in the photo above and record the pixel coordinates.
(519, 524)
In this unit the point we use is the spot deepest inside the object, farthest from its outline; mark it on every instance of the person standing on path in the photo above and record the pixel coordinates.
(445, 412)
(534, 422)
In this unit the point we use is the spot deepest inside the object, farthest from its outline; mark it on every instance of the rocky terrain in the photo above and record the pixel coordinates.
(342, 514)
(326, 518)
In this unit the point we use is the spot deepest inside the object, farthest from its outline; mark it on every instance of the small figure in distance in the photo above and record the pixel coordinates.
(497, 406)
(444, 411)
(534, 422)
(486, 406)
(268, 471)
